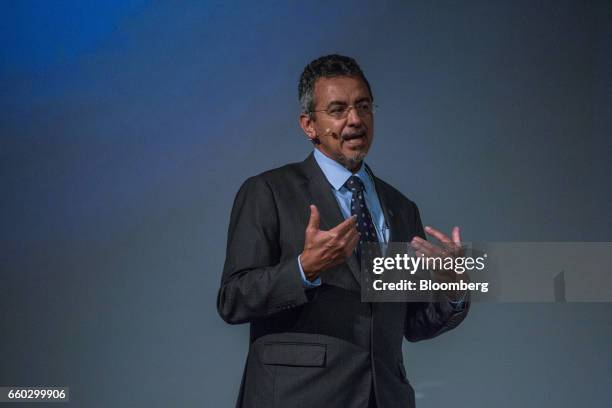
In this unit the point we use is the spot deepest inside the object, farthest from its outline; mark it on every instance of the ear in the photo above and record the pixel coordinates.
(306, 122)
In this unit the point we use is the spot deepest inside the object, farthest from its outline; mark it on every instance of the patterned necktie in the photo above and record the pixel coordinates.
(364, 222)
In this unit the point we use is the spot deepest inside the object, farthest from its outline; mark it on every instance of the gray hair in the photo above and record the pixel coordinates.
(327, 66)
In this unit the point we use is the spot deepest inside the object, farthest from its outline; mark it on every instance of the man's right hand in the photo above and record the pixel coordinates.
(326, 249)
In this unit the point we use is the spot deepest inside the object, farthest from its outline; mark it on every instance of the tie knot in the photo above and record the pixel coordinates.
(354, 184)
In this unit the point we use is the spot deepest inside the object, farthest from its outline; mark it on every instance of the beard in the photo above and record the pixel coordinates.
(353, 161)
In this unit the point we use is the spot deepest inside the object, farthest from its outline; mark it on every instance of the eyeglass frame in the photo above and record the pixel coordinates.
(348, 108)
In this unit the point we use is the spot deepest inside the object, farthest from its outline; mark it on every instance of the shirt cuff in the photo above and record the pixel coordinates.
(305, 282)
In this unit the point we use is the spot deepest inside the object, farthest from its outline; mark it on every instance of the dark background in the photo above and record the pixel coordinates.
(128, 126)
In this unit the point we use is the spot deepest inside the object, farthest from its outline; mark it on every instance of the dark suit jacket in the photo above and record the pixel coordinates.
(320, 347)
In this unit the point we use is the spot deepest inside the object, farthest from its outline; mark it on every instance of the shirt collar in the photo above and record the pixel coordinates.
(337, 174)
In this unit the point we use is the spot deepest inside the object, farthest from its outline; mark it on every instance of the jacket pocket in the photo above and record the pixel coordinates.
(294, 354)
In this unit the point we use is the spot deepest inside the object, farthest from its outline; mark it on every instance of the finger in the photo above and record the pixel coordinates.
(437, 234)
(347, 233)
(449, 246)
(426, 247)
(419, 249)
(345, 244)
(315, 219)
(345, 226)
(456, 236)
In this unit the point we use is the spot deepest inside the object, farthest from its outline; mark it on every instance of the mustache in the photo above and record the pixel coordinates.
(354, 135)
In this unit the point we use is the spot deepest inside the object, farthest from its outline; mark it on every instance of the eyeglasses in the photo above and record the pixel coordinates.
(363, 109)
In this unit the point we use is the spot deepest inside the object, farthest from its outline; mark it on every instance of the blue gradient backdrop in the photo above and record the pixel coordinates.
(127, 127)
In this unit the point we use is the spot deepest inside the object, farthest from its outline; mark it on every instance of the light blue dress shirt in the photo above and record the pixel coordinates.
(337, 175)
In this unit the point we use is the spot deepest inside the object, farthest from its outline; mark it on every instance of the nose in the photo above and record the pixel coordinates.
(353, 118)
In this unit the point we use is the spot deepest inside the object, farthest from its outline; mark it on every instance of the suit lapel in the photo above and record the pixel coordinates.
(386, 203)
(321, 194)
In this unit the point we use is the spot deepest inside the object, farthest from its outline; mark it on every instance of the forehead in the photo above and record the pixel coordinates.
(340, 89)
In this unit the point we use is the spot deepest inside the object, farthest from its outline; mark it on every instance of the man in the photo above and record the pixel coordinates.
(292, 266)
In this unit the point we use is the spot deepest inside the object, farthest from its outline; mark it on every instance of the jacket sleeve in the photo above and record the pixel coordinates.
(425, 320)
(257, 279)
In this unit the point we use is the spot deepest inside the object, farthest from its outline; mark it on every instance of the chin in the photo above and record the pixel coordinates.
(352, 160)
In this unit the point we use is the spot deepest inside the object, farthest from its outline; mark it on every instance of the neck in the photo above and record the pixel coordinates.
(353, 169)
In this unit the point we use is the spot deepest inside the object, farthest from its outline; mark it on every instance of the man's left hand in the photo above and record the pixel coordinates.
(447, 248)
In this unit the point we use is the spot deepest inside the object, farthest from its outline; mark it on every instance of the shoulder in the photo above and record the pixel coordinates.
(280, 175)
(274, 179)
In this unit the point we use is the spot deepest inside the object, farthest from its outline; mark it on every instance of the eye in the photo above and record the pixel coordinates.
(365, 107)
(336, 110)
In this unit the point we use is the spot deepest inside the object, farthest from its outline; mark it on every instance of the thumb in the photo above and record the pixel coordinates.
(456, 235)
(313, 222)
